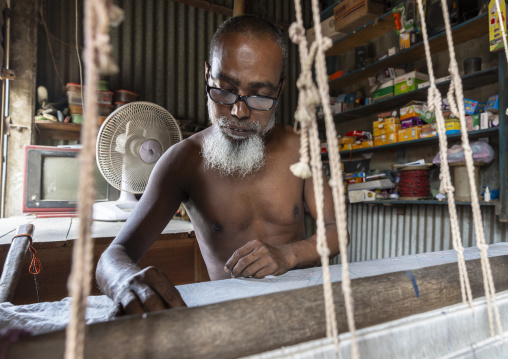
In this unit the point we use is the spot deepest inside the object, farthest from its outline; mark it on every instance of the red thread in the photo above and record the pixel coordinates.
(35, 265)
(414, 183)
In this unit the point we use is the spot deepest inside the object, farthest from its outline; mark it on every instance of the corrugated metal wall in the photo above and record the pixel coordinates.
(379, 231)
(160, 47)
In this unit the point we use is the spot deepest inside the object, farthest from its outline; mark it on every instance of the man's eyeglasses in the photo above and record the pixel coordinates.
(260, 103)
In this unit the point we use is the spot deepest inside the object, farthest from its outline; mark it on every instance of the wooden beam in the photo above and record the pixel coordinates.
(13, 263)
(239, 8)
(205, 5)
(258, 324)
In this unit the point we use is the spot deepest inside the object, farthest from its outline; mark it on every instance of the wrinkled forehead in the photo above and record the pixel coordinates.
(259, 57)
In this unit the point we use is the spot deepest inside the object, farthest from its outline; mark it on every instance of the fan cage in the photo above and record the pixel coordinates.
(138, 121)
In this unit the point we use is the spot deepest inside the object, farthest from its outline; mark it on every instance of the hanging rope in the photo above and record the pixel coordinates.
(309, 97)
(97, 56)
(456, 100)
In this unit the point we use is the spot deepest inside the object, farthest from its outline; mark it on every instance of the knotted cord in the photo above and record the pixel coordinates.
(97, 55)
(309, 97)
(456, 100)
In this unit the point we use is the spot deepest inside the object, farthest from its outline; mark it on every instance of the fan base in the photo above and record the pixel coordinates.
(113, 211)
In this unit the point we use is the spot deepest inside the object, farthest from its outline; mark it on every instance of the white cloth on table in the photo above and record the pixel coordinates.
(49, 316)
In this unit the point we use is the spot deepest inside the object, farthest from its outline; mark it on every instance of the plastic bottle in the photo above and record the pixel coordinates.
(486, 195)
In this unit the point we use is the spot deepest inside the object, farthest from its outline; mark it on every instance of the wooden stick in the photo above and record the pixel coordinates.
(13, 262)
(257, 324)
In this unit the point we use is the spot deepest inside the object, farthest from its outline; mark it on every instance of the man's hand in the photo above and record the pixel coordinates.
(257, 259)
(147, 291)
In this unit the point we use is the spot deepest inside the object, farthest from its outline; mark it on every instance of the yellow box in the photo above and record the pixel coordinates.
(385, 121)
(347, 139)
(385, 139)
(452, 125)
(428, 134)
(347, 146)
(495, 33)
(379, 132)
(357, 146)
(386, 131)
(392, 127)
(367, 144)
(408, 134)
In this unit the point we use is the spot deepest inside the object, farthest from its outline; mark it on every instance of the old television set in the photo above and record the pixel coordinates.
(51, 181)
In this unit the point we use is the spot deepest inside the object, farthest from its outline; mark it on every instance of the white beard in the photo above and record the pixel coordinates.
(234, 155)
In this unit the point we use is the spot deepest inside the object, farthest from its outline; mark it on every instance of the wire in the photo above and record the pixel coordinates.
(49, 44)
(79, 62)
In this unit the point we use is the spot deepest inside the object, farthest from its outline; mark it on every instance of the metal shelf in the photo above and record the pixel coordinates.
(469, 81)
(390, 202)
(462, 32)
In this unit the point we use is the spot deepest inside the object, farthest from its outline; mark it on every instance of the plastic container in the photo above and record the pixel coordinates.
(71, 86)
(119, 104)
(105, 97)
(74, 98)
(77, 118)
(104, 110)
(125, 96)
(76, 109)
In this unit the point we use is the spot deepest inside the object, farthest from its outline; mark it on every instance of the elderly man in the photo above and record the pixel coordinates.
(233, 178)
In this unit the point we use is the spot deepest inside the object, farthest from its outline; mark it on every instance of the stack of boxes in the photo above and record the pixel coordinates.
(411, 124)
(385, 129)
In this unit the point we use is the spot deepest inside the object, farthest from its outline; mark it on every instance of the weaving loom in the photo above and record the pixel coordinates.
(290, 318)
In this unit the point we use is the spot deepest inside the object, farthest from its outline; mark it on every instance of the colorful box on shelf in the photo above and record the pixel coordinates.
(472, 107)
(409, 82)
(387, 129)
(346, 139)
(380, 123)
(367, 143)
(429, 130)
(473, 122)
(495, 32)
(408, 134)
(385, 115)
(492, 104)
(357, 145)
(385, 139)
(452, 126)
(361, 196)
(411, 122)
(384, 91)
(351, 14)
(346, 147)
(327, 27)
(411, 109)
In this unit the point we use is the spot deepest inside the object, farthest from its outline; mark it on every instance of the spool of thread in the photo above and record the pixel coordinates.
(414, 183)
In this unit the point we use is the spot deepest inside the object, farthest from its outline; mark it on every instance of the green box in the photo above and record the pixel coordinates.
(409, 82)
(384, 91)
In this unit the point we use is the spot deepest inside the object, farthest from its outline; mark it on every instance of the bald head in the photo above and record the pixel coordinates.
(254, 26)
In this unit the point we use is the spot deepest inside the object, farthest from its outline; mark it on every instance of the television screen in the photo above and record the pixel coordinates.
(52, 180)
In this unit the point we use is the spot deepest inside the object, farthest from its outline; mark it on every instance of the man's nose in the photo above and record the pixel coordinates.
(240, 110)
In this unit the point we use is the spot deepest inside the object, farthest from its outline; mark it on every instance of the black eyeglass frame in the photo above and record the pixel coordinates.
(244, 98)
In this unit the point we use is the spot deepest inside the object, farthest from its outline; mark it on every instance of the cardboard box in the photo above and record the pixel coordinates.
(472, 107)
(411, 122)
(367, 143)
(492, 104)
(327, 27)
(385, 139)
(484, 121)
(408, 134)
(452, 126)
(382, 116)
(409, 82)
(384, 91)
(429, 130)
(361, 196)
(357, 145)
(346, 139)
(351, 14)
(495, 32)
(473, 122)
(385, 121)
(411, 109)
(347, 146)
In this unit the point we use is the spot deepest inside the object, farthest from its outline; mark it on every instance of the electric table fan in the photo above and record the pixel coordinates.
(129, 143)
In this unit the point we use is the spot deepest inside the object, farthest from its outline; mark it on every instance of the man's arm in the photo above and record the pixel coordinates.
(258, 259)
(134, 290)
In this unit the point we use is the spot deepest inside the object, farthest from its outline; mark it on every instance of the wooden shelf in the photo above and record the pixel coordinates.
(422, 141)
(363, 34)
(469, 81)
(461, 33)
(58, 130)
